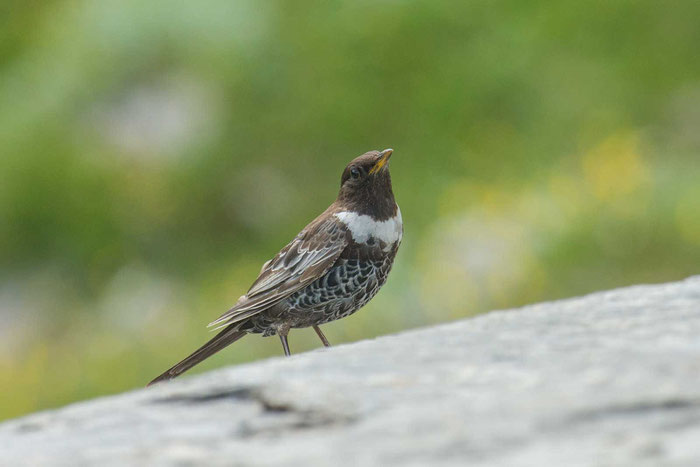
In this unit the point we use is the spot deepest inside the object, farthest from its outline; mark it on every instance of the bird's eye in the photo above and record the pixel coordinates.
(355, 172)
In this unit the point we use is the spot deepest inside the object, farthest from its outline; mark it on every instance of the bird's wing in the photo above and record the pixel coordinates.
(305, 259)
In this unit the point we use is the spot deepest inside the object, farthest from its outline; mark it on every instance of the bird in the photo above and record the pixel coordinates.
(331, 269)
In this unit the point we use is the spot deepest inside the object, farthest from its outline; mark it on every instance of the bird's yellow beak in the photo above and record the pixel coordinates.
(381, 163)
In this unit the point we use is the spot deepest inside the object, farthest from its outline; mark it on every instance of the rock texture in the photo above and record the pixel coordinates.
(610, 379)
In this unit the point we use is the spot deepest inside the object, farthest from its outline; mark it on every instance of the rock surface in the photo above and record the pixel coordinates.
(609, 379)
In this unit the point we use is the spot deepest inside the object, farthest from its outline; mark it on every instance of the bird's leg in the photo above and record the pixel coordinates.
(283, 337)
(322, 337)
(285, 345)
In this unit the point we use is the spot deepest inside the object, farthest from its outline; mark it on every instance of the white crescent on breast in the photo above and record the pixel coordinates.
(363, 227)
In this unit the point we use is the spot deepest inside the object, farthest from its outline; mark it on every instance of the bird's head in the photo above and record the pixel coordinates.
(365, 186)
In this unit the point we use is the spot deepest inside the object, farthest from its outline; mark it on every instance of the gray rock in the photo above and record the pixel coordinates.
(610, 379)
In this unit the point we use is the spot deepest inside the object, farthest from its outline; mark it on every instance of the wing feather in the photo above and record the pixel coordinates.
(303, 260)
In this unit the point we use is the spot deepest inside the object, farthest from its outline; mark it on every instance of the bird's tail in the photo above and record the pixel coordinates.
(227, 336)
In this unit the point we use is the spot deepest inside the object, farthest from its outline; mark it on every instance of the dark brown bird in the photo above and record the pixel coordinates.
(329, 271)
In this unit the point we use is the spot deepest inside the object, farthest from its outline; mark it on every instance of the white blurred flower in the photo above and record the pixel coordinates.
(136, 298)
(159, 120)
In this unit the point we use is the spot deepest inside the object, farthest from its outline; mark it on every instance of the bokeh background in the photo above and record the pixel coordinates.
(154, 154)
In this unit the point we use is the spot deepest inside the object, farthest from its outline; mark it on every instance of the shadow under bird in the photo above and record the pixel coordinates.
(333, 267)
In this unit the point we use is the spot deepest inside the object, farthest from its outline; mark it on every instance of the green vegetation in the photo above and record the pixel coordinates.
(154, 154)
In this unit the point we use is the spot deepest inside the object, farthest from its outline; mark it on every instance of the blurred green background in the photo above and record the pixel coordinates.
(154, 154)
